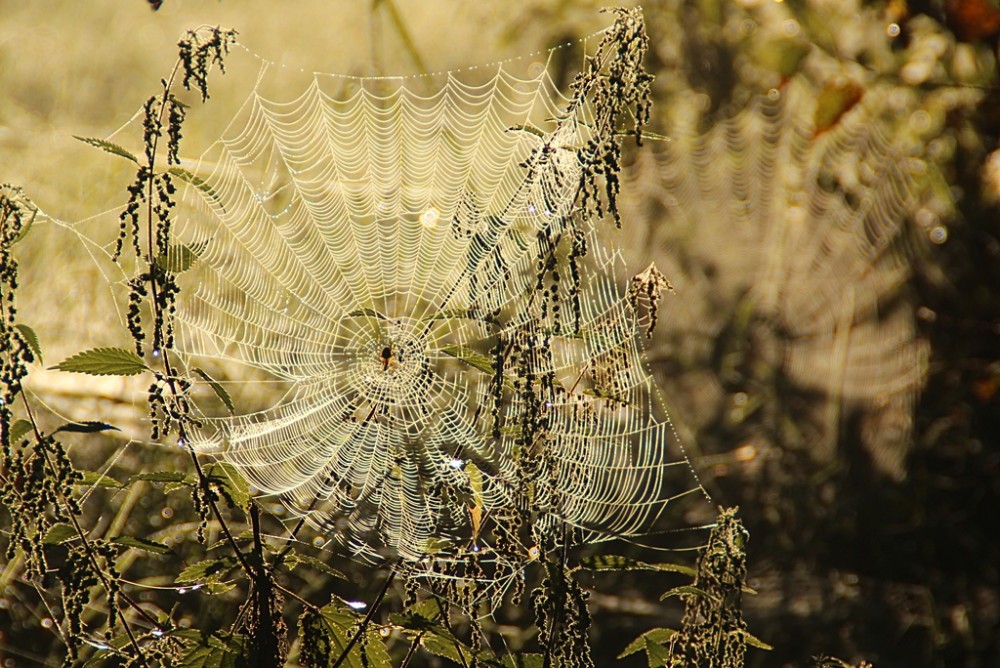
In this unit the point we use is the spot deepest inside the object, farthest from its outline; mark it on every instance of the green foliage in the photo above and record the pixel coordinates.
(104, 362)
(199, 183)
(230, 483)
(19, 430)
(327, 640)
(31, 339)
(216, 387)
(652, 642)
(614, 562)
(179, 257)
(143, 544)
(109, 147)
(216, 650)
(87, 427)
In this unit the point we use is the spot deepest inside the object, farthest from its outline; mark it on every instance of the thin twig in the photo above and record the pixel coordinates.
(368, 618)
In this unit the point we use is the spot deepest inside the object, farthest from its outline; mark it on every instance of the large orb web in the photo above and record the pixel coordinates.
(400, 262)
(791, 247)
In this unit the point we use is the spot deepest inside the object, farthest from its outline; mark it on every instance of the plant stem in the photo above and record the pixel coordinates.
(368, 618)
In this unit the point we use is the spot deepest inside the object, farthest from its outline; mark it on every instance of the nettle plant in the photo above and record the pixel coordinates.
(458, 401)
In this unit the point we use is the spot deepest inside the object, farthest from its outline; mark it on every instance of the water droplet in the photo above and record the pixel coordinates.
(456, 463)
(892, 30)
(939, 234)
(156, 353)
(920, 120)
(429, 218)
(46, 623)
(181, 442)
(357, 605)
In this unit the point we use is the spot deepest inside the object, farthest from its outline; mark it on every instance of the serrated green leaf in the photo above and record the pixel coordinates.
(159, 476)
(293, 559)
(19, 430)
(337, 612)
(217, 388)
(108, 147)
(207, 570)
(658, 635)
(25, 227)
(685, 590)
(227, 651)
(447, 647)
(526, 660)
(473, 359)
(526, 128)
(180, 257)
(231, 484)
(87, 427)
(59, 533)
(199, 183)
(217, 588)
(95, 479)
(31, 339)
(332, 628)
(656, 654)
(142, 544)
(376, 653)
(427, 608)
(754, 641)
(104, 362)
(433, 545)
(174, 486)
(615, 562)
(367, 312)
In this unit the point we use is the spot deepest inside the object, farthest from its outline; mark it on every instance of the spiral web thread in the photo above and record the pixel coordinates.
(811, 228)
(409, 270)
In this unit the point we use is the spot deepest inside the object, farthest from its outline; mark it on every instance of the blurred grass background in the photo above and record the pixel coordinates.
(848, 561)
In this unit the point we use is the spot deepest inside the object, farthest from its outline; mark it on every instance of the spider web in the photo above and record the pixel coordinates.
(408, 271)
(797, 240)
